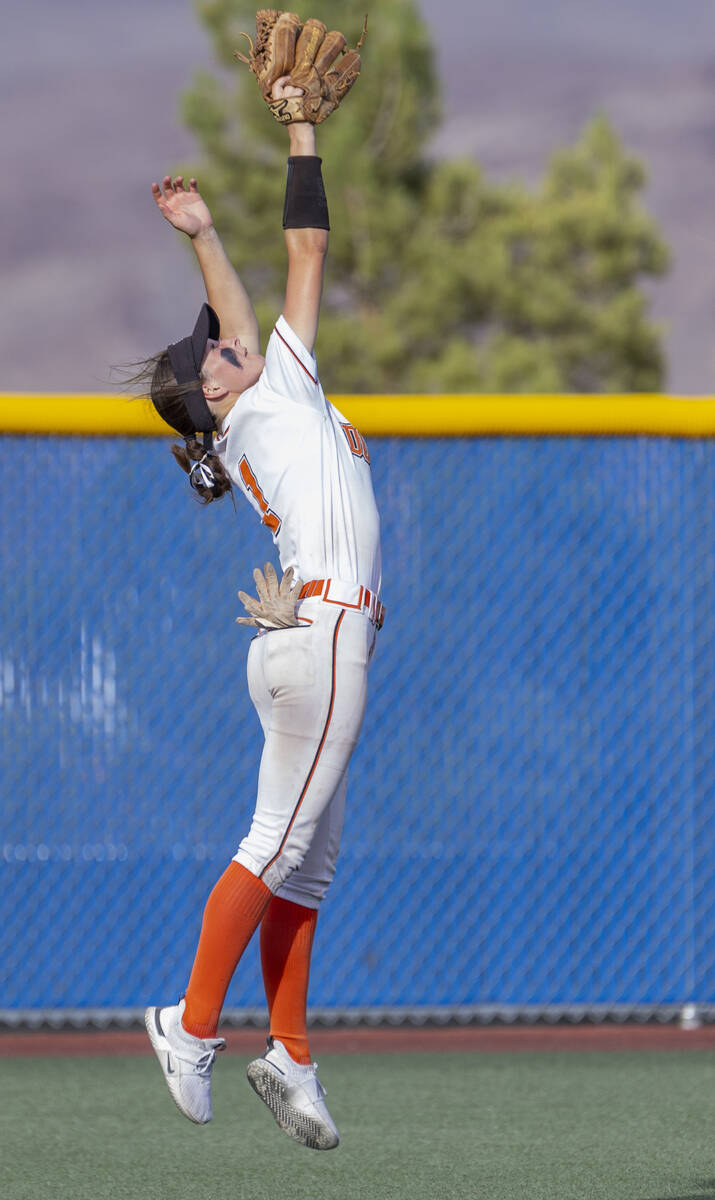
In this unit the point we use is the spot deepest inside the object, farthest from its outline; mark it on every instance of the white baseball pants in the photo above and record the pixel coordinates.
(309, 687)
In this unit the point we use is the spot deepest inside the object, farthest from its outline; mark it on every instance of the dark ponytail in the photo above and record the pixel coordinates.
(155, 379)
(213, 481)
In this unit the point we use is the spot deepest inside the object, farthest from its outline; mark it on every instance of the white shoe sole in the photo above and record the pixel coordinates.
(298, 1125)
(162, 1049)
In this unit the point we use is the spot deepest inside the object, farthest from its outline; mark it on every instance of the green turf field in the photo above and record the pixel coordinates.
(572, 1126)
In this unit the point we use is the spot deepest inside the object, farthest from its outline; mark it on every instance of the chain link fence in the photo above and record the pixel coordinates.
(530, 809)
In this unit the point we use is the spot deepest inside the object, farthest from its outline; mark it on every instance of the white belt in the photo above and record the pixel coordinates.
(346, 595)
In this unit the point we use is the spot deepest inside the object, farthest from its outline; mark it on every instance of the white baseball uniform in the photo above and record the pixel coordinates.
(306, 471)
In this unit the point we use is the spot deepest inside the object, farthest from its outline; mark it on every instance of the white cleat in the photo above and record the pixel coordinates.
(295, 1096)
(186, 1060)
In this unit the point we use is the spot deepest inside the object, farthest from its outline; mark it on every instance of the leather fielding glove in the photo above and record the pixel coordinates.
(305, 51)
(275, 606)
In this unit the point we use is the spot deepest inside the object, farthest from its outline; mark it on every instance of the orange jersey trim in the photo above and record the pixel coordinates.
(295, 356)
(269, 518)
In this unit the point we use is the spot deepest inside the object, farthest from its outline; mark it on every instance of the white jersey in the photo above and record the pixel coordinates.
(304, 468)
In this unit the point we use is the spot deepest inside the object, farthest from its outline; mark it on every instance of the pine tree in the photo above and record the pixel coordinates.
(438, 279)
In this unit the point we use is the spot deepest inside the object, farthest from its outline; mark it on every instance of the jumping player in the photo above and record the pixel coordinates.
(306, 472)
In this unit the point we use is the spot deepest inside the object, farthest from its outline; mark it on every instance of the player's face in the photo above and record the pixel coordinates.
(228, 368)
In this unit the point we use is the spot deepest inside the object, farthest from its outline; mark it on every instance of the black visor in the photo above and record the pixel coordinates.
(186, 358)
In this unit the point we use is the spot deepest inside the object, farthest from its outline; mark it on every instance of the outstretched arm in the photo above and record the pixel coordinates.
(307, 248)
(187, 211)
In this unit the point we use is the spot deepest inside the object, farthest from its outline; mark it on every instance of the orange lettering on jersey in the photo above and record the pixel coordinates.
(356, 442)
(269, 517)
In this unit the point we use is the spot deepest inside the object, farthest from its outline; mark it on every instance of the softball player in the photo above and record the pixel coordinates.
(306, 472)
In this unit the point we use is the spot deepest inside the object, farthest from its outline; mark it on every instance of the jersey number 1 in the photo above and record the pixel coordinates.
(269, 517)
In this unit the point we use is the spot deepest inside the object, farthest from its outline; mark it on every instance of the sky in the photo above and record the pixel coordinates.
(89, 115)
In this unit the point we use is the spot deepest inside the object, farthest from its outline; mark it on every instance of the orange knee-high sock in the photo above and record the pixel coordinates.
(286, 942)
(232, 913)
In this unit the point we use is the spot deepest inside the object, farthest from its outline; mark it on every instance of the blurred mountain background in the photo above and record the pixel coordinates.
(90, 114)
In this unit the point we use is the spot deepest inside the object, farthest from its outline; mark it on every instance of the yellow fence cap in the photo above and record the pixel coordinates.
(393, 416)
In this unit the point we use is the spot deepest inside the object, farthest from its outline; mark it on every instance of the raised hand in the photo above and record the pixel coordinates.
(283, 89)
(184, 208)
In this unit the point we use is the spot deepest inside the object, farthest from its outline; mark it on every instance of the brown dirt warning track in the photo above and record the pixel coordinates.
(480, 1040)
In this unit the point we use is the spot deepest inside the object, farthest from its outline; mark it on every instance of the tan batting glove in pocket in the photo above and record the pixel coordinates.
(275, 606)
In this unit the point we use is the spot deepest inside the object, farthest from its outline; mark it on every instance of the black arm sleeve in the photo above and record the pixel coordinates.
(306, 206)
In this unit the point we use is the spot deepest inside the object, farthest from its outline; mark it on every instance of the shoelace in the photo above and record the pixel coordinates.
(203, 1064)
(299, 1078)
